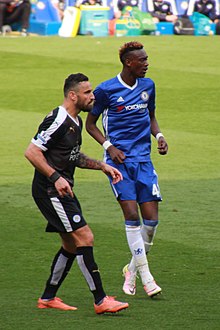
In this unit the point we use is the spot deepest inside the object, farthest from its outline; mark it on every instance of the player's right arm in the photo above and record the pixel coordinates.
(36, 157)
(92, 128)
(116, 155)
(102, 103)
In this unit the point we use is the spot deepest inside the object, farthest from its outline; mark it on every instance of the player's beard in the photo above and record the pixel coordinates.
(85, 108)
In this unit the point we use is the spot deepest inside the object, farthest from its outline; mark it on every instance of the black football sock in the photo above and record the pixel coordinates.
(59, 269)
(89, 268)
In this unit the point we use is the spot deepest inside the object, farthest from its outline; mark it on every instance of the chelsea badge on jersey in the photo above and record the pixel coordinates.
(144, 96)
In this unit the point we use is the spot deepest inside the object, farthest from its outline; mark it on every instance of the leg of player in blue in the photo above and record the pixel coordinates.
(148, 231)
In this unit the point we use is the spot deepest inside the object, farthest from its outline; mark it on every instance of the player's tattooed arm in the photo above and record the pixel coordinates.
(85, 162)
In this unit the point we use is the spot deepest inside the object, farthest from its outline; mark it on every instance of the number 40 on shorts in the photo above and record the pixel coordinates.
(156, 190)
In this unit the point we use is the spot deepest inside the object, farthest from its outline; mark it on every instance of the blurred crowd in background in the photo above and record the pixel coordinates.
(19, 11)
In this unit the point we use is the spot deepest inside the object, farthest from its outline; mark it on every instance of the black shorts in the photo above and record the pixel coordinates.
(64, 214)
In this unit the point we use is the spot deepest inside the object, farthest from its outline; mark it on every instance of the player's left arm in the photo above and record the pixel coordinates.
(86, 162)
(155, 131)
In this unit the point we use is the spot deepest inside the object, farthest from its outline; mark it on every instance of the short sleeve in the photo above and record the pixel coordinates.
(101, 101)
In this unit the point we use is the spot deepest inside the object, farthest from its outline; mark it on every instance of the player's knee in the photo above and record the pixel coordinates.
(90, 239)
(87, 237)
(132, 216)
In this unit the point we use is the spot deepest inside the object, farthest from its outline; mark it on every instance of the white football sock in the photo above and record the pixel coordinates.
(136, 245)
(148, 231)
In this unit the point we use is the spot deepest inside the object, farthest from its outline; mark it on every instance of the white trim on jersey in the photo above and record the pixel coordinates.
(61, 213)
(44, 136)
(125, 85)
(114, 190)
(105, 126)
(85, 272)
(76, 120)
(39, 145)
(105, 123)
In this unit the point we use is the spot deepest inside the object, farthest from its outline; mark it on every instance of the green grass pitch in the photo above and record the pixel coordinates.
(185, 256)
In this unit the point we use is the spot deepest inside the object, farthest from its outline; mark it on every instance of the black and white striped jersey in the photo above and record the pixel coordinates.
(59, 137)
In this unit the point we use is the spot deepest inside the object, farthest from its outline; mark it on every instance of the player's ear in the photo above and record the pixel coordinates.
(128, 62)
(72, 95)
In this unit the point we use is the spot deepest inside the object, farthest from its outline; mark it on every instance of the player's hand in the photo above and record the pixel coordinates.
(63, 187)
(116, 155)
(162, 146)
(113, 172)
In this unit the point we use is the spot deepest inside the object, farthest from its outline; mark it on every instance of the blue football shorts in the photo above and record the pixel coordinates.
(63, 214)
(140, 182)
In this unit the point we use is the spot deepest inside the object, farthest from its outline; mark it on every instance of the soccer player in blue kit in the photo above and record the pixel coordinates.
(127, 105)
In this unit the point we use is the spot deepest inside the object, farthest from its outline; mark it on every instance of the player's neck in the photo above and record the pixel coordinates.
(70, 109)
(127, 78)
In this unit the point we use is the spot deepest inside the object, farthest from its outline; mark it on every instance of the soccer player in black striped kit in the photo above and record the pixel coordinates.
(55, 152)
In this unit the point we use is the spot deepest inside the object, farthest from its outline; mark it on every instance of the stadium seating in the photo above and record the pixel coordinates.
(164, 28)
(45, 20)
(181, 6)
(94, 21)
(150, 6)
(191, 6)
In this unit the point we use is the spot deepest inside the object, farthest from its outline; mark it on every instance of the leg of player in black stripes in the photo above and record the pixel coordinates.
(59, 269)
(89, 268)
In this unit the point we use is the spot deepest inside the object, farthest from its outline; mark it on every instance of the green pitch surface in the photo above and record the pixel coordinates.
(185, 256)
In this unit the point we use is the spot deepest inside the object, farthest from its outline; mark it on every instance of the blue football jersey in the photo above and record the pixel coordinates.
(125, 115)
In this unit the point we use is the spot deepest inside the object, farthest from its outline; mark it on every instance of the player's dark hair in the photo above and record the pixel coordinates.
(127, 48)
(73, 81)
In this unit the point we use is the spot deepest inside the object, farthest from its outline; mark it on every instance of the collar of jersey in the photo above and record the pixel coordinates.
(124, 84)
(75, 121)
